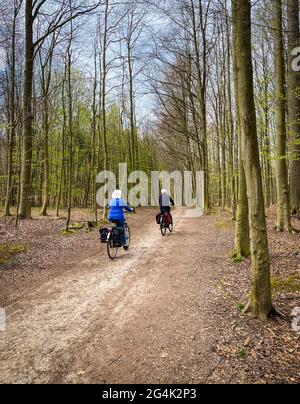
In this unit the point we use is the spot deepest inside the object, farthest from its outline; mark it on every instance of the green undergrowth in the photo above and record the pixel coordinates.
(7, 251)
(88, 227)
(237, 259)
(213, 211)
(224, 224)
(68, 233)
(242, 353)
(288, 285)
(240, 307)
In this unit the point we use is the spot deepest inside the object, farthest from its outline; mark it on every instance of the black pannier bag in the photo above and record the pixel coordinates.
(103, 234)
(158, 217)
(117, 236)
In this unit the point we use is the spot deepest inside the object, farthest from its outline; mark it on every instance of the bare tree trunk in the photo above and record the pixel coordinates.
(132, 114)
(103, 97)
(70, 131)
(261, 298)
(283, 200)
(202, 83)
(94, 122)
(46, 156)
(294, 104)
(203, 27)
(266, 131)
(12, 129)
(25, 198)
(230, 117)
(63, 165)
(242, 230)
(223, 152)
(46, 72)
(19, 180)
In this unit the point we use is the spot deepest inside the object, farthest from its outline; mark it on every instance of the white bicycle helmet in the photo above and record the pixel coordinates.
(117, 194)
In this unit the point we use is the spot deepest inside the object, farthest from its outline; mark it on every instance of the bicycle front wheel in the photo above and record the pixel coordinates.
(127, 238)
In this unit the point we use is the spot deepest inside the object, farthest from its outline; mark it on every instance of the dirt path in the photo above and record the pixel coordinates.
(142, 318)
(163, 313)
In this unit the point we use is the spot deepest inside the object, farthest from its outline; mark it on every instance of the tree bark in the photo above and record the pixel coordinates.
(261, 298)
(294, 104)
(62, 173)
(70, 131)
(46, 73)
(25, 198)
(230, 118)
(132, 114)
(242, 230)
(12, 129)
(103, 96)
(283, 200)
(46, 195)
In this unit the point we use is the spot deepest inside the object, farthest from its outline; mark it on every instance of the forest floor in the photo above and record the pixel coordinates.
(169, 311)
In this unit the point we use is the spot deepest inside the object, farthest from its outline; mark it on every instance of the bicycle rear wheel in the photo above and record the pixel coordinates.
(163, 227)
(171, 226)
(112, 251)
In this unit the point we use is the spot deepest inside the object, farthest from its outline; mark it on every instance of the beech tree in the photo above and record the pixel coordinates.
(283, 200)
(12, 106)
(261, 297)
(242, 231)
(294, 103)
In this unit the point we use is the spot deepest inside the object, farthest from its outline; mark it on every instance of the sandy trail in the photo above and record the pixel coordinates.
(143, 318)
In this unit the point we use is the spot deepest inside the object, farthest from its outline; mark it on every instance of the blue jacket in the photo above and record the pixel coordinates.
(116, 209)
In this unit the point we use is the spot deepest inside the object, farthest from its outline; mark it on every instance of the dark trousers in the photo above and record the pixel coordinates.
(121, 224)
(166, 209)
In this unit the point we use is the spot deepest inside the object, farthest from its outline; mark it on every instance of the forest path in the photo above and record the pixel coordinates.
(144, 318)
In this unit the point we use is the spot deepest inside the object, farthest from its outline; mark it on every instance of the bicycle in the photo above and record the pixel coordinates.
(112, 236)
(166, 223)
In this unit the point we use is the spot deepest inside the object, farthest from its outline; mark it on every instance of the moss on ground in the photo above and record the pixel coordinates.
(7, 251)
(68, 233)
(288, 285)
(240, 307)
(224, 224)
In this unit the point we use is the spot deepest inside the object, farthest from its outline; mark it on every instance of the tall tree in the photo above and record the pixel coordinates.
(46, 76)
(25, 202)
(133, 22)
(230, 124)
(294, 103)
(261, 297)
(200, 24)
(283, 200)
(104, 71)
(62, 171)
(70, 127)
(242, 231)
(12, 107)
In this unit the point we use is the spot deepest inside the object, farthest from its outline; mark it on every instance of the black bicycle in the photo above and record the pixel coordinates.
(113, 237)
(166, 223)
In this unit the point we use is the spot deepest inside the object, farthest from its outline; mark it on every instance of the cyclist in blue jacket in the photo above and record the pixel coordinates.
(165, 202)
(116, 211)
